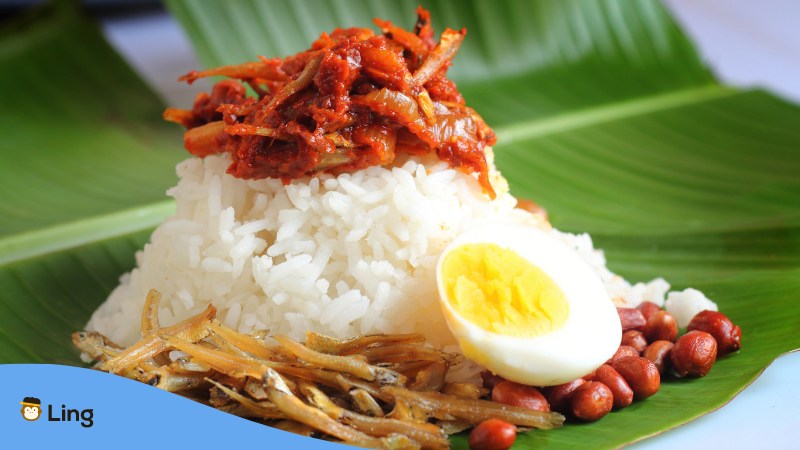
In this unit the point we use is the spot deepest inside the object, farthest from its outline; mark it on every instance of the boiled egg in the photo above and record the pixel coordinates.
(525, 306)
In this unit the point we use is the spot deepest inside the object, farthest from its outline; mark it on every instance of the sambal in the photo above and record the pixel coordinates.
(354, 99)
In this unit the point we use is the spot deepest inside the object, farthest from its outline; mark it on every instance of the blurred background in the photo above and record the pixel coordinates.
(746, 43)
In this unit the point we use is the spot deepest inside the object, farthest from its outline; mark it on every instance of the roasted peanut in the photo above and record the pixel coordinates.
(693, 354)
(658, 353)
(558, 396)
(591, 401)
(492, 434)
(661, 326)
(641, 374)
(648, 309)
(622, 392)
(635, 339)
(511, 393)
(631, 319)
(622, 352)
(727, 335)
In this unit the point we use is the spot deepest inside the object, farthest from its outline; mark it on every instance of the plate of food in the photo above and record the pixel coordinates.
(401, 226)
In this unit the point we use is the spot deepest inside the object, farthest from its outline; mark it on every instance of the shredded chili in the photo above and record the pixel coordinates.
(353, 100)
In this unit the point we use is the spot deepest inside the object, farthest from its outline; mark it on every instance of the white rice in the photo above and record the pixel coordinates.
(686, 304)
(345, 255)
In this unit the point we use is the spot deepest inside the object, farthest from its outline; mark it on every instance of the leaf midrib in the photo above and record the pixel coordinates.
(610, 112)
(33, 243)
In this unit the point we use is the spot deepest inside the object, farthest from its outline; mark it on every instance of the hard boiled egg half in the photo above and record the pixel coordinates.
(525, 306)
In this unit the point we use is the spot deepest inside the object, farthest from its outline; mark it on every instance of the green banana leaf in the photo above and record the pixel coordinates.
(84, 162)
(605, 115)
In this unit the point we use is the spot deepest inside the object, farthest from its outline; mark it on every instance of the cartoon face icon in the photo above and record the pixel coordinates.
(31, 408)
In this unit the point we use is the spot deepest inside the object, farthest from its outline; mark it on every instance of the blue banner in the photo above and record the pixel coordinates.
(51, 406)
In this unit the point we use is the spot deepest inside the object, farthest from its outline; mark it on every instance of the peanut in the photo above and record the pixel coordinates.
(661, 326)
(635, 339)
(622, 352)
(631, 319)
(515, 394)
(727, 335)
(492, 434)
(658, 353)
(648, 309)
(622, 392)
(591, 401)
(559, 396)
(641, 374)
(694, 354)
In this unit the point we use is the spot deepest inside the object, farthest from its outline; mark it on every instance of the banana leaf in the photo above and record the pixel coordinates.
(605, 114)
(85, 160)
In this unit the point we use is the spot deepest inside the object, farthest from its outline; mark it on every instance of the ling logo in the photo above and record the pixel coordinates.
(31, 408)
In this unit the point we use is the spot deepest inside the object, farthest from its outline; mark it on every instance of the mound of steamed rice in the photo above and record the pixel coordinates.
(342, 255)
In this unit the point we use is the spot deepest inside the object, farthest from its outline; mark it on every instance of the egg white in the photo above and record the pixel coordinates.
(589, 336)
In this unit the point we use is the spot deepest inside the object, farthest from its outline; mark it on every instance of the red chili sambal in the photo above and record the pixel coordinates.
(353, 100)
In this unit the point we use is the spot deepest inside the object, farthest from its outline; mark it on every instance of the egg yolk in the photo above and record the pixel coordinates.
(501, 292)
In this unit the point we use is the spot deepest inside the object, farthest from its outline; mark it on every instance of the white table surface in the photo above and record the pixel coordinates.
(746, 42)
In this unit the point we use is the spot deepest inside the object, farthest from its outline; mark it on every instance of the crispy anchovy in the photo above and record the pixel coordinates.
(255, 388)
(322, 376)
(95, 345)
(150, 323)
(449, 43)
(371, 388)
(180, 116)
(327, 344)
(448, 407)
(404, 353)
(426, 106)
(464, 390)
(231, 365)
(252, 379)
(150, 313)
(243, 129)
(192, 329)
(407, 39)
(163, 378)
(241, 341)
(409, 368)
(430, 378)
(338, 381)
(265, 69)
(133, 355)
(429, 435)
(303, 79)
(294, 408)
(185, 366)
(365, 403)
(404, 411)
(202, 140)
(264, 410)
(344, 364)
